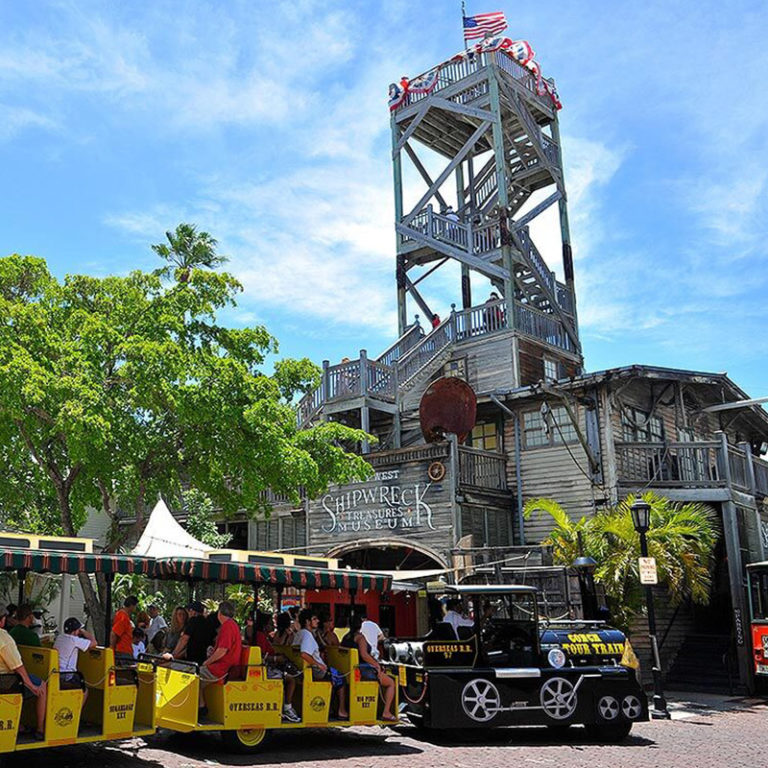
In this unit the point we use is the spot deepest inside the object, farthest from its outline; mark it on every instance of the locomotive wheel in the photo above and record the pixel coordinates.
(246, 740)
(609, 734)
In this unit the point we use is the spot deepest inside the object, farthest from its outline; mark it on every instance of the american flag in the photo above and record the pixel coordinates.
(484, 24)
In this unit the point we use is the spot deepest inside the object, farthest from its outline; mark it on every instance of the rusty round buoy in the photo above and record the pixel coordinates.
(448, 406)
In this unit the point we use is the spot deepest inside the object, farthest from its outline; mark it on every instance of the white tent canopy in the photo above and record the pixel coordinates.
(165, 537)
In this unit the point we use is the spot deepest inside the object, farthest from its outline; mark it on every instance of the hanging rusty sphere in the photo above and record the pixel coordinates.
(448, 406)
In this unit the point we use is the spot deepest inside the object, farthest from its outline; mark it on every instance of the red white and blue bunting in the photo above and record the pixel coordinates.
(519, 50)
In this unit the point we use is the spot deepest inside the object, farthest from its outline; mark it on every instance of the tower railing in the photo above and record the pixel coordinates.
(408, 340)
(452, 72)
(380, 380)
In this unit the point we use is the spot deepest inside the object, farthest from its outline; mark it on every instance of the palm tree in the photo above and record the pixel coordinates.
(681, 538)
(188, 249)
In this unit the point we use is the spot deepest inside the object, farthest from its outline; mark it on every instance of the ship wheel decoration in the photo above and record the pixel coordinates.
(558, 698)
(436, 471)
(480, 700)
(608, 708)
(631, 707)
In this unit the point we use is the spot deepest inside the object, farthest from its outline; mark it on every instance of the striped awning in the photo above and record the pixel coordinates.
(277, 575)
(38, 561)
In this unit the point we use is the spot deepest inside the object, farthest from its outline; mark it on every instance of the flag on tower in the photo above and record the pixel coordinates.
(484, 25)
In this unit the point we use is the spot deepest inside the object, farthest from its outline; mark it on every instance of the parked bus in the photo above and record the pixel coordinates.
(757, 587)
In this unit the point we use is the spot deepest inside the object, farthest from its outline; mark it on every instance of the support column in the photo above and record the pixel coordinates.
(735, 568)
(565, 227)
(501, 178)
(402, 316)
(466, 289)
(365, 411)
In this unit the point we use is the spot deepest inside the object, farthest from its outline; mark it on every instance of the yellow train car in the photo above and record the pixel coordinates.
(121, 701)
(131, 700)
(248, 705)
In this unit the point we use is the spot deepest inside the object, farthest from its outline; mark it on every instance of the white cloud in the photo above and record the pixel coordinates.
(13, 120)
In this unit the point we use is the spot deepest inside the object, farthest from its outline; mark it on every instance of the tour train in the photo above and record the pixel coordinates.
(496, 673)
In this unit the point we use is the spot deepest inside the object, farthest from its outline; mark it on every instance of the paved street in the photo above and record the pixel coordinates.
(706, 731)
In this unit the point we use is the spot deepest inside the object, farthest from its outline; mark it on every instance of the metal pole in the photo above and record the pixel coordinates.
(659, 711)
(22, 585)
(279, 591)
(108, 609)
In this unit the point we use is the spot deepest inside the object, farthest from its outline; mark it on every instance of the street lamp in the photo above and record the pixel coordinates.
(585, 569)
(641, 519)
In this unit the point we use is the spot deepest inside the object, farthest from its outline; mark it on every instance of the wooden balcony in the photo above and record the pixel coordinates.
(707, 464)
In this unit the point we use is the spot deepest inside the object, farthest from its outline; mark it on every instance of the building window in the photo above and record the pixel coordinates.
(283, 533)
(485, 437)
(550, 369)
(637, 427)
(456, 368)
(489, 527)
(554, 429)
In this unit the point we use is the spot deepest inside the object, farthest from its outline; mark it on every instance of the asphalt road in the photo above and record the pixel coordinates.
(706, 731)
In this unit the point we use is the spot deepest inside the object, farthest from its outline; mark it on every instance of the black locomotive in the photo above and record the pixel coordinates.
(505, 667)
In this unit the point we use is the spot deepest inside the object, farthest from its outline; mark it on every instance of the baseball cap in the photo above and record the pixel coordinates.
(72, 625)
(196, 606)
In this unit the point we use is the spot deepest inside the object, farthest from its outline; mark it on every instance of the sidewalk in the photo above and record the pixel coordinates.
(684, 704)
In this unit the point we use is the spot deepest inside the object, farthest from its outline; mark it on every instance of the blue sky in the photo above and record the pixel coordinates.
(266, 124)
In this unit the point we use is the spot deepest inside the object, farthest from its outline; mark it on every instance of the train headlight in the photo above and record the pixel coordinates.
(556, 658)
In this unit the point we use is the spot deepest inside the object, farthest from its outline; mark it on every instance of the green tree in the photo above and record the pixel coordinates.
(201, 513)
(681, 537)
(122, 388)
(188, 249)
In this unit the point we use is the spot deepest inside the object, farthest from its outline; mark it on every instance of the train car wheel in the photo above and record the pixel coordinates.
(609, 734)
(246, 740)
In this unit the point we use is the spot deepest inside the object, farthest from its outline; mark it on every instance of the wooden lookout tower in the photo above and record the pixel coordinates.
(496, 130)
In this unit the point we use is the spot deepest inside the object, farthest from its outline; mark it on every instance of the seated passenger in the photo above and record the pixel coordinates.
(138, 642)
(226, 652)
(22, 632)
(310, 652)
(454, 618)
(373, 634)
(370, 668)
(272, 660)
(72, 641)
(325, 634)
(284, 634)
(11, 662)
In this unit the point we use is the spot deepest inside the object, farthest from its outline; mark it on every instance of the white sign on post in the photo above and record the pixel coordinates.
(648, 573)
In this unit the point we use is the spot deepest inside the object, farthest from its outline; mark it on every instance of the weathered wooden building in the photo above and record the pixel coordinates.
(545, 426)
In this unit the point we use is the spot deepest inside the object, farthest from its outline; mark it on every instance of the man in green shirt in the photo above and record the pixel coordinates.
(22, 633)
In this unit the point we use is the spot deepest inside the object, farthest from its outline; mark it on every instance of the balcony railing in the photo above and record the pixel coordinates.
(700, 464)
(760, 467)
(669, 464)
(482, 469)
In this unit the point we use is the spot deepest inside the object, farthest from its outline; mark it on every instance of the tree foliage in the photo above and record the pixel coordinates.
(681, 537)
(201, 514)
(117, 389)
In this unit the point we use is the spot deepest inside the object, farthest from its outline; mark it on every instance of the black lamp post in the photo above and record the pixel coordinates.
(641, 519)
(585, 570)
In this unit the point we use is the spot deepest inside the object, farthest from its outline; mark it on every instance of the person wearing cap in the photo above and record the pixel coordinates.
(72, 641)
(196, 637)
(11, 663)
(22, 633)
(121, 636)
